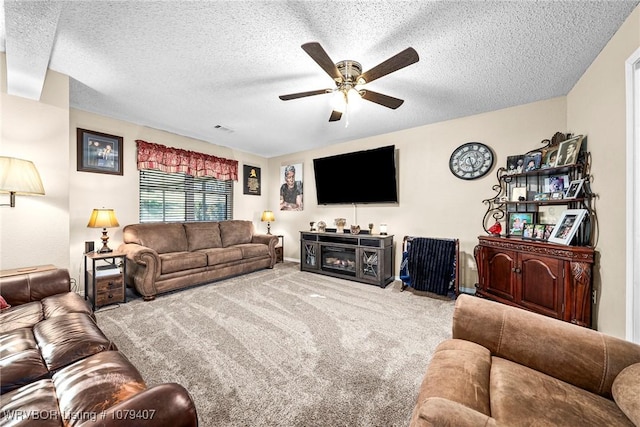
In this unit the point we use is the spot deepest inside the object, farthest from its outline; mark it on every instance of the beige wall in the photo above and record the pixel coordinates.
(432, 202)
(596, 108)
(89, 190)
(35, 231)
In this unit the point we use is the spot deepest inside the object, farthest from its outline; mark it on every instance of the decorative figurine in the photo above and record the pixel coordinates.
(496, 229)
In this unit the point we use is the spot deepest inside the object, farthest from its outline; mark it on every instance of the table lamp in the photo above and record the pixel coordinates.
(103, 218)
(268, 217)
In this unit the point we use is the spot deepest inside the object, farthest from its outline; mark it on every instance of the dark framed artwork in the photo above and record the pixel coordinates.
(252, 181)
(99, 152)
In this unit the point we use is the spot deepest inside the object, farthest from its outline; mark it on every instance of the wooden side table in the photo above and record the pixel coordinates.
(280, 248)
(104, 279)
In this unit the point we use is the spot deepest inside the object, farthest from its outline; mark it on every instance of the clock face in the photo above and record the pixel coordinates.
(471, 160)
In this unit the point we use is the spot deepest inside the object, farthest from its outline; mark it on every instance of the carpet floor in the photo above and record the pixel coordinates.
(282, 347)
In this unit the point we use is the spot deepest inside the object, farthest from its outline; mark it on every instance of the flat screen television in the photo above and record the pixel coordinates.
(367, 176)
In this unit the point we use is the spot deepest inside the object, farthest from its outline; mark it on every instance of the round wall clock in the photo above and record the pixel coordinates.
(471, 160)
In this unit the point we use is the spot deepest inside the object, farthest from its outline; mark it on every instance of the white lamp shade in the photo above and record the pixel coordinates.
(19, 176)
(103, 218)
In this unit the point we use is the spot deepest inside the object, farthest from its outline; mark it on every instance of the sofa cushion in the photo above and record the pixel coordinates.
(252, 250)
(20, 361)
(222, 255)
(161, 237)
(66, 339)
(96, 383)
(179, 261)
(20, 316)
(235, 232)
(68, 302)
(626, 392)
(31, 401)
(523, 396)
(203, 235)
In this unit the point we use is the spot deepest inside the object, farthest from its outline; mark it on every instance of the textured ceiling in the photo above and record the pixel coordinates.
(213, 70)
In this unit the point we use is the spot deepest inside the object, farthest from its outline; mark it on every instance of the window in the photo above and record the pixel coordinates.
(167, 197)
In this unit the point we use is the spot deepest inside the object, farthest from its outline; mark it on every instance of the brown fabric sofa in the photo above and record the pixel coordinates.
(58, 368)
(163, 257)
(506, 366)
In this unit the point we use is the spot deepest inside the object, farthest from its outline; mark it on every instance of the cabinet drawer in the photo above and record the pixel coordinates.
(110, 296)
(104, 284)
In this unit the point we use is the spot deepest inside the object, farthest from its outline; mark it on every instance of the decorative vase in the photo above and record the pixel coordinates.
(340, 223)
(355, 229)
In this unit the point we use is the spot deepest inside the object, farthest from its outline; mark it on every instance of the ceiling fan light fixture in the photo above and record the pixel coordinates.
(339, 101)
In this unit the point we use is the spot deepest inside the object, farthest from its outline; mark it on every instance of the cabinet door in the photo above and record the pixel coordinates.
(309, 256)
(499, 273)
(369, 265)
(541, 285)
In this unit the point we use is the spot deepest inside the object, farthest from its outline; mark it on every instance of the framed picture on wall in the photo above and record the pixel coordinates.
(291, 187)
(99, 152)
(251, 184)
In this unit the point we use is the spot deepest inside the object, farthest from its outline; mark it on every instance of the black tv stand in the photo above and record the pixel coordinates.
(366, 258)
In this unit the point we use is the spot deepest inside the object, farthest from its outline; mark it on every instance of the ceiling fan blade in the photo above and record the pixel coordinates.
(335, 116)
(384, 100)
(303, 94)
(395, 63)
(318, 54)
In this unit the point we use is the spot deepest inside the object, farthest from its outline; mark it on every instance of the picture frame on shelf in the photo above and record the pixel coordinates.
(548, 228)
(532, 161)
(574, 189)
(549, 157)
(555, 183)
(568, 151)
(557, 195)
(550, 214)
(541, 197)
(527, 231)
(567, 227)
(538, 231)
(515, 164)
(516, 222)
(518, 194)
(99, 152)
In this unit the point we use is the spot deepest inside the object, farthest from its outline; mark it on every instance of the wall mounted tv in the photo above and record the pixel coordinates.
(367, 176)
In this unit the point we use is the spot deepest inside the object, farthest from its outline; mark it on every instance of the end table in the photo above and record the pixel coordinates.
(104, 278)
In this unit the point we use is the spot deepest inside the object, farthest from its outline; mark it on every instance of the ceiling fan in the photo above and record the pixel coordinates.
(349, 78)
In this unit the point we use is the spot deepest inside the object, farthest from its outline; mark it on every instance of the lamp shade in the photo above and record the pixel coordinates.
(267, 216)
(103, 218)
(19, 176)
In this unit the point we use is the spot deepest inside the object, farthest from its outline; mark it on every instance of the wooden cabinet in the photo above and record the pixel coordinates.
(546, 278)
(361, 257)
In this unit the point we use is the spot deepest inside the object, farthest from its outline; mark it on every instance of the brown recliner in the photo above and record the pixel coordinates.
(58, 368)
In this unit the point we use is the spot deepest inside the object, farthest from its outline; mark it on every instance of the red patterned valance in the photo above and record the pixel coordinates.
(175, 160)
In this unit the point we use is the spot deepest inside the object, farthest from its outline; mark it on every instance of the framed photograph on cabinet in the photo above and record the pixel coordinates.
(517, 222)
(538, 231)
(567, 227)
(548, 228)
(99, 152)
(515, 164)
(532, 161)
(549, 157)
(574, 189)
(550, 214)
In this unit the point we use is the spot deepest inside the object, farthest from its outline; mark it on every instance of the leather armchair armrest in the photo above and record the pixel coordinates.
(439, 412)
(162, 405)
